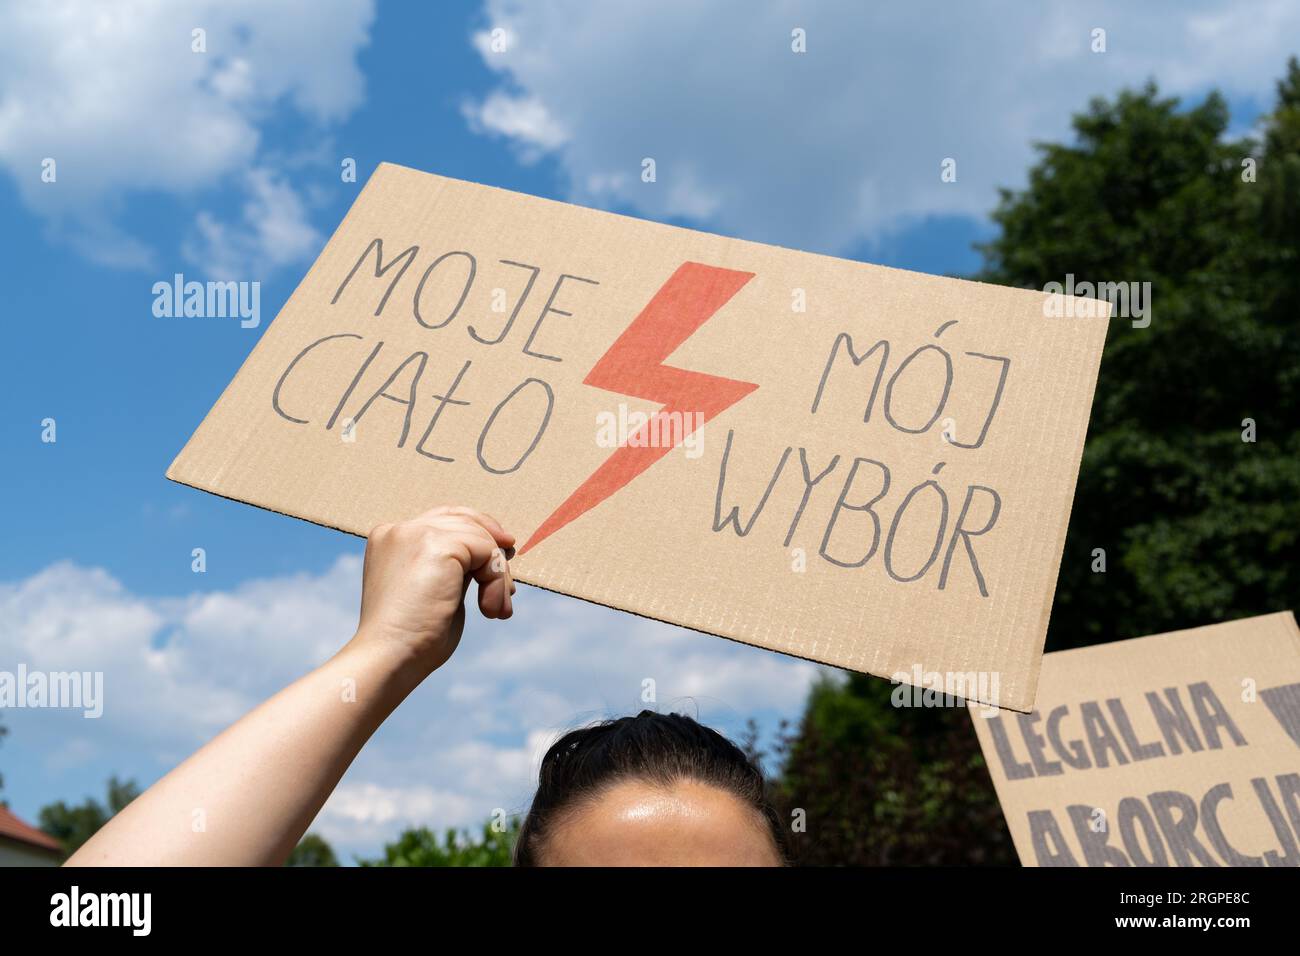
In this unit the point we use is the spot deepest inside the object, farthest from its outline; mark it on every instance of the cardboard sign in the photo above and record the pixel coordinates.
(843, 462)
(1181, 749)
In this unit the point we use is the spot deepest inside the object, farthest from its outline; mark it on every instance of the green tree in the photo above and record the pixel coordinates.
(422, 847)
(74, 825)
(1197, 525)
(312, 850)
(865, 783)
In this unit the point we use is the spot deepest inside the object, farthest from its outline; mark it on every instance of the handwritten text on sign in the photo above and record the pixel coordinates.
(1179, 749)
(909, 392)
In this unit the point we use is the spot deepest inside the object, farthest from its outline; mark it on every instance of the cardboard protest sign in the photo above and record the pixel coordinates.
(1181, 749)
(848, 463)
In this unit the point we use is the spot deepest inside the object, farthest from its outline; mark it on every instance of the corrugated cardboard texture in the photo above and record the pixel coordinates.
(536, 327)
(1181, 749)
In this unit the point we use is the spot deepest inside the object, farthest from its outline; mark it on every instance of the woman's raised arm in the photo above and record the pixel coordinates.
(247, 797)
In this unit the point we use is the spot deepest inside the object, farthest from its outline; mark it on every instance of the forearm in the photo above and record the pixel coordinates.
(247, 797)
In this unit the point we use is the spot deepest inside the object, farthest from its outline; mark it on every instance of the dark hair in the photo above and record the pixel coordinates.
(659, 748)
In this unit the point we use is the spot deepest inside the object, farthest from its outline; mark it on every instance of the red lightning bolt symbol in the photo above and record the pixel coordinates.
(633, 365)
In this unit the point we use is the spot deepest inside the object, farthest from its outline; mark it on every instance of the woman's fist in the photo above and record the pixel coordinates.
(416, 576)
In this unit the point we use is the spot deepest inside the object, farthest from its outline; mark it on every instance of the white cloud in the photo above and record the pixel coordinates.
(175, 670)
(117, 97)
(842, 143)
(273, 230)
(466, 743)
(522, 119)
(379, 812)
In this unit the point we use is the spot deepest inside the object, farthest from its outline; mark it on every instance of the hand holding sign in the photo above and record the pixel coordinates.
(416, 576)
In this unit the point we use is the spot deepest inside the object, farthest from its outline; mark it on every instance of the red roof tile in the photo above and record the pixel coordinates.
(16, 829)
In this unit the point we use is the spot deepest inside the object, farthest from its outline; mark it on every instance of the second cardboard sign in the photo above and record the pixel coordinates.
(1179, 749)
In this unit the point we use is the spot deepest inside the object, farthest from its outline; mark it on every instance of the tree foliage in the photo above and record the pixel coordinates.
(74, 825)
(1198, 526)
(492, 846)
(865, 783)
(312, 850)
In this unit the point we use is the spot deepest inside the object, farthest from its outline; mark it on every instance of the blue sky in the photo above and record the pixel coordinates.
(227, 161)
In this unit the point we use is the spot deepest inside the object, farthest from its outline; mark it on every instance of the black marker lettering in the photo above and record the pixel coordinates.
(419, 290)
(443, 401)
(847, 341)
(537, 436)
(347, 393)
(378, 246)
(938, 538)
(965, 534)
(840, 505)
(275, 395)
(943, 397)
(548, 309)
(733, 518)
(408, 401)
(523, 297)
(809, 482)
